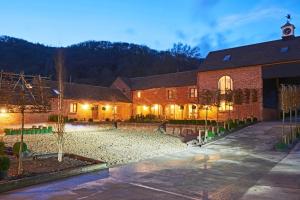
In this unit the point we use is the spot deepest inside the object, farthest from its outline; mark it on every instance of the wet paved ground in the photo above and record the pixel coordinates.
(241, 165)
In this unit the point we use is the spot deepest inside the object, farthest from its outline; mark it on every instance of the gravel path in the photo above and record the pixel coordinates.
(112, 146)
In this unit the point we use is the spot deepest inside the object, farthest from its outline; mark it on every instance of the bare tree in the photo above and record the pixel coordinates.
(60, 124)
(246, 96)
(238, 100)
(206, 101)
(254, 99)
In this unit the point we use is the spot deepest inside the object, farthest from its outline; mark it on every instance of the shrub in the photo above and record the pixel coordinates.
(211, 134)
(2, 146)
(16, 148)
(54, 118)
(4, 163)
(281, 146)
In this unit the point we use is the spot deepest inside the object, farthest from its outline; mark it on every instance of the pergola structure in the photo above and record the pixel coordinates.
(20, 93)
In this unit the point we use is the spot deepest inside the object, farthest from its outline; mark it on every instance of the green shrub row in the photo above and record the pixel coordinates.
(54, 118)
(44, 130)
(144, 118)
(192, 122)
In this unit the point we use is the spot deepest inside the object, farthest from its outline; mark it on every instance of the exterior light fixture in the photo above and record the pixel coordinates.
(85, 106)
(145, 107)
(3, 110)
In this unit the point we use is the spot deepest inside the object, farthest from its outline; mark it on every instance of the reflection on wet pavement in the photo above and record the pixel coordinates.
(224, 169)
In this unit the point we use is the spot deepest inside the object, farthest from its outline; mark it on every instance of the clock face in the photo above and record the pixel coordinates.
(287, 31)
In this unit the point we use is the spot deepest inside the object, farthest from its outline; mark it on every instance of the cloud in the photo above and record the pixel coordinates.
(242, 19)
(203, 8)
(130, 31)
(211, 42)
(181, 35)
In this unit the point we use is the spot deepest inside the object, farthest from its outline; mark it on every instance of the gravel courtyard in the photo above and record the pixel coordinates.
(112, 146)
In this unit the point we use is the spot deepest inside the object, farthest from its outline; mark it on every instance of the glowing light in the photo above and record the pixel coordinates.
(85, 106)
(139, 94)
(107, 106)
(155, 107)
(145, 107)
(3, 110)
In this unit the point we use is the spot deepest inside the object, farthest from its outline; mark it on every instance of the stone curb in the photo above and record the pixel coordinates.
(52, 176)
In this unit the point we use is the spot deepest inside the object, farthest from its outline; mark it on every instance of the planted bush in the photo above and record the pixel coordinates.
(2, 146)
(144, 118)
(54, 118)
(16, 148)
(4, 163)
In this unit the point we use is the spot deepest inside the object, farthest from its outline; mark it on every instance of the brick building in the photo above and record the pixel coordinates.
(258, 68)
(81, 102)
(171, 96)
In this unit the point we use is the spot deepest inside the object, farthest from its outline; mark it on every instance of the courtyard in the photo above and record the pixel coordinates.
(243, 165)
(113, 146)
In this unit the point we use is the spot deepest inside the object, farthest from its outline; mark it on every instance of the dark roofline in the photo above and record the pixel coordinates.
(247, 45)
(189, 71)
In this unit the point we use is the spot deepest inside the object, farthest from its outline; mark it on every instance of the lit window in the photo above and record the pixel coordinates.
(171, 94)
(139, 94)
(225, 106)
(227, 58)
(225, 84)
(73, 107)
(193, 93)
(284, 49)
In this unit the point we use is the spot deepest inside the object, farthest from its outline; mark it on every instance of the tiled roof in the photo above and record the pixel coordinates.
(256, 54)
(177, 79)
(281, 70)
(90, 92)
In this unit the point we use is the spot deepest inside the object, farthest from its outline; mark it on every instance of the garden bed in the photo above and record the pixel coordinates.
(44, 168)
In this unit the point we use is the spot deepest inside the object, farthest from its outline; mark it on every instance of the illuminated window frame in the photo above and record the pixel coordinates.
(139, 94)
(73, 107)
(225, 84)
(171, 94)
(193, 93)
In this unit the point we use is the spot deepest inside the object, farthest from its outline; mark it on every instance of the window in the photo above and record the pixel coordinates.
(284, 49)
(227, 58)
(225, 84)
(138, 94)
(193, 93)
(73, 107)
(171, 94)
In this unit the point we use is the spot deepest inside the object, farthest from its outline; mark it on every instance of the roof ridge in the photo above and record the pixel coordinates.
(248, 45)
(155, 75)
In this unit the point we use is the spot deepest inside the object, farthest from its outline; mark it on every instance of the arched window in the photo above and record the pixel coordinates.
(225, 84)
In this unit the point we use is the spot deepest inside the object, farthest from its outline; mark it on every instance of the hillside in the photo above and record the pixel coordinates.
(92, 62)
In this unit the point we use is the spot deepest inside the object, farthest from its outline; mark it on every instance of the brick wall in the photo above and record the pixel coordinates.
(123, 87)
(159, 96)
(245, 77)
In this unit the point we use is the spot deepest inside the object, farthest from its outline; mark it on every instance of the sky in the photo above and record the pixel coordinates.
(209, 24)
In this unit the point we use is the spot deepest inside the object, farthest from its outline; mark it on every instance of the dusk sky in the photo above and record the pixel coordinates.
(209, 24)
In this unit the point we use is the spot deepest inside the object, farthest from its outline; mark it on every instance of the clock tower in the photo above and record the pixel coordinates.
(288, 29)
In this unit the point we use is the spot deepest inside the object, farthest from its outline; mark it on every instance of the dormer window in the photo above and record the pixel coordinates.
(227, 58)
(284, 49)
